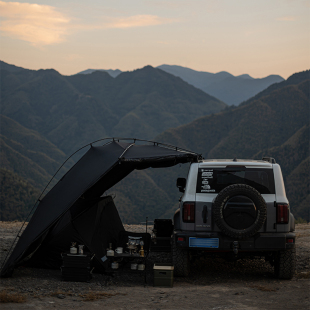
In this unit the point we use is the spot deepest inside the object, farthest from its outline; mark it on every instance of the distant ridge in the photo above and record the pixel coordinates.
(9, 67)
(245, 76)
(113, 73)
(229, 88)
(222, 85)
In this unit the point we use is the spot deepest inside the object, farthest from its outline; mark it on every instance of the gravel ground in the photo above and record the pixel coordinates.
(213, 283)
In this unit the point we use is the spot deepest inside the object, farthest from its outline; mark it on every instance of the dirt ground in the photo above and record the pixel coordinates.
(213, 284)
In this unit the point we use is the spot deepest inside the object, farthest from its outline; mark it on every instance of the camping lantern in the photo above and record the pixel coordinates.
(141, 252)
(73, 249)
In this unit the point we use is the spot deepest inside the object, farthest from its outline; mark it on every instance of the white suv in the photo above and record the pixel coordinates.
(236, 207)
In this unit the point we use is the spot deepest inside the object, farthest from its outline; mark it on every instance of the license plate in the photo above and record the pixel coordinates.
(211, 243)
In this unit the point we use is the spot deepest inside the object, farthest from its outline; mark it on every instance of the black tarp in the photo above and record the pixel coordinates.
(98, 170)
(94, 227)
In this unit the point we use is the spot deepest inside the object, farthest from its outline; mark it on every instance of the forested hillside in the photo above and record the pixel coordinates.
(47, 116)
(274, 123)
(17, 196)
(27, 153)
(71, 111)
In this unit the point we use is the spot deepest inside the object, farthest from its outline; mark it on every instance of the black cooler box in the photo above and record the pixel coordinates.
(76, 267)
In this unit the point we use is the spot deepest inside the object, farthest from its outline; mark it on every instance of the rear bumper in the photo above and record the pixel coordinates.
(215, 242)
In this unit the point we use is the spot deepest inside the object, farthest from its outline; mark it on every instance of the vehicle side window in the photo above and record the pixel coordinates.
(214, 180)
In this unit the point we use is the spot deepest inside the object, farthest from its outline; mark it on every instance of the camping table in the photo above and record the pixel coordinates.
(126, 258)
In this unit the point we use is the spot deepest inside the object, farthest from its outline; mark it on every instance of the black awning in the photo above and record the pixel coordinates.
(98, 170)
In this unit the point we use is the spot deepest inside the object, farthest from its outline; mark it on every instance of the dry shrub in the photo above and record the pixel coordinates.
(90, 296)
(264, 288)
(302, 226)
(6, 297)
(58, 292)
(302, 234)
(303, 275)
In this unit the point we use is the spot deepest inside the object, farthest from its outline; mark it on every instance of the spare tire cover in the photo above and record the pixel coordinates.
(239, 211)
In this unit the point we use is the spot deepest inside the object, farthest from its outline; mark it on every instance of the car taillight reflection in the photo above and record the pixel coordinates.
(282, 213)
(189, 212)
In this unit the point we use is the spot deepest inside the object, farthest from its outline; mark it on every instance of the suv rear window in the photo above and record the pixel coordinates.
(214, 180)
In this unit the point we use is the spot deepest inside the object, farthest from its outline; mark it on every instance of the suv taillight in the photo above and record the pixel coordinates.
(282, 213)
(189, 212)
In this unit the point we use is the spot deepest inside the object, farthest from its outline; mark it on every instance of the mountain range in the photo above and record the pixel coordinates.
(47, 116)
(228, 88)
(137, 104)
(274, 123)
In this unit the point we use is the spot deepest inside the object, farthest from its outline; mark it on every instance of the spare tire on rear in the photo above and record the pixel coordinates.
(239, 211)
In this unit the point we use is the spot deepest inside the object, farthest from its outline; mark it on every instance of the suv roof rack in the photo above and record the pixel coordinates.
(269, 159)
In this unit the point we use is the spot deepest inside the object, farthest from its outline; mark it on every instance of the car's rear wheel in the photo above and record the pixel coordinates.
(285, 264)
(239, 210)
(181, 261)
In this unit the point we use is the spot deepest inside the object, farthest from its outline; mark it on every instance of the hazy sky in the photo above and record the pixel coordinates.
(258, 37)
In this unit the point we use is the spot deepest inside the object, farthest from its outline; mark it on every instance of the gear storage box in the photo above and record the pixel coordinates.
(76, 267)
(163, 275)
(76, 274)
(76, 260)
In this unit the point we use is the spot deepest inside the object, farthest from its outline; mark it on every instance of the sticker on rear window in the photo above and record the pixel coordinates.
(205, 178)
(214, 180)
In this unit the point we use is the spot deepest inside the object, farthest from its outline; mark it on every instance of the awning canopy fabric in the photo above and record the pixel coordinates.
(98, 170)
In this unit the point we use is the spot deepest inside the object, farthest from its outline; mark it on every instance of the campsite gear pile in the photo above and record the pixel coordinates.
(74, 208)
(133, 244)
(125, 262)
(74, 250)
(130, 255)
